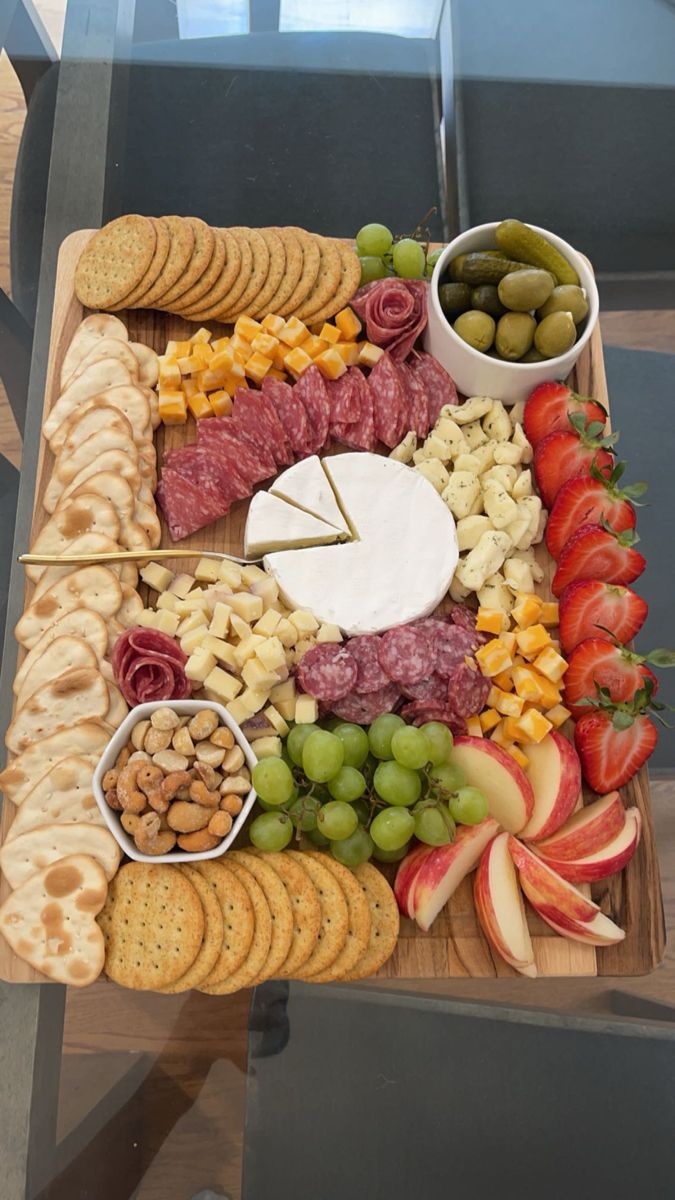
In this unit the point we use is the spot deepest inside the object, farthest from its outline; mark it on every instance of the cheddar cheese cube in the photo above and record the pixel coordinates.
(349, 352)
(526, 611)
(278, 356)
(369, 354)
(330, 333)
(224, 685)
(520, 757)
(257, 367)
(247, 328)
(267, 623)
(306, 710)
(348, 323)
(240, 345)
(200, 406)
(219, 344)
(526, 683)
(201, 337)
(505, 703)
(532, 640)
(210, 381)
(199, 665)
(156, 576)
(177, 349)
(296, 362)
(189, 388)
(293, 333)
(248, 607)
(275, 718)
(498, 735)
(493, 657)
(221, 402)
(275, 373)
(489, 719)
(173, 407)
(314, 345)
(533, 726)
(169, 374)
(508, 639)
(558, 715)
(491, 620)
(224, 360)
(202, 353)
(272, 654)
(273, 324)
(551, 664)
(511, 729)
(331, 364)
(550, 614)
(265, 343)
(504, 680)
(474, 727)
(549, 694)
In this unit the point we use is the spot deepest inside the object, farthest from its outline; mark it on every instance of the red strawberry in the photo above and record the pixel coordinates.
(597, 552)
(562, 455)
(549, 407)
(596, 663)
(589, 605)
(616, 740)
(585, 499)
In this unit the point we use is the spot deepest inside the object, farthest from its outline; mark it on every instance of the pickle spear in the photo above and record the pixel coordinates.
(519, 241)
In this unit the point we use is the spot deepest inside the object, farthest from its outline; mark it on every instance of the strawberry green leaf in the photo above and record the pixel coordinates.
(661, 658)
(622, 720)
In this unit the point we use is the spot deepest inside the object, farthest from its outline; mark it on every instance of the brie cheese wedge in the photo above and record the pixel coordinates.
(306, 485)
(272, 524)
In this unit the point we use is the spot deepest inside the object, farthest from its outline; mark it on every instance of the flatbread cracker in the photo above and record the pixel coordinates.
(102, 348)
(73, 696)
(385, 921)
(213, 934)
(96, 378)
(114, 260)
(92, 587)
(118, 708)
(49, 922)
(62, 654)
(63, 795)
(88, 333)
(148, 363)
(85, 513)
(182, 240)
(260, 945)
(80, 623)
(334, 912)
(39, 848)
(25, 772)
(153, 926)
(360, 921)
(237, 918)
(304, 899)
(131, 402)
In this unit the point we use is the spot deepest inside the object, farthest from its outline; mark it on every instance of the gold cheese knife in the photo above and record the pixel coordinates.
(47, 560)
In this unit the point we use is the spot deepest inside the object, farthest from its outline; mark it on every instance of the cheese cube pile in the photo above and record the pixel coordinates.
(240, 639)
(477, 457)
(525, 667)
(201, 375)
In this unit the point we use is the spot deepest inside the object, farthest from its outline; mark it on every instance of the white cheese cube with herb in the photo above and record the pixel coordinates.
(447, 429)
(498, 505)
(508, 453)
(434, 470)
(460, 492)
(472, 409)
(523, 485)
(497, 423)
(470, 530)
(475, 435)
(519, 439)
(404, 451)
(457, 591)
(495, 594)
(486, 557)
(485, 454)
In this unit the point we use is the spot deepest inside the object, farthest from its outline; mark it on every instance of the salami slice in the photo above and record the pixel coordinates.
(220, 434)
(467, 690)
(435, 688)
(395, 313)
(216, 468)
(439, 386)
(327, 671)
(291, 413)
(390, 408)
(186, 506)
(361, 434)
(421, 711)
(371, 676)
(281, 447)
(463, 616)
(345, 408)
(149, 665)
(405, 653)
(450, 644)
(312, 391)
(418, 403)
(363, 710)
(251, 421)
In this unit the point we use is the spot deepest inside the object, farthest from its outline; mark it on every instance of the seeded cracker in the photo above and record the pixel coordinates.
(327, 282)
(350, 277)
(334, 912)
(261, 262)
(304, 899)
(213, 934)
(291, 275)
(358, 933)
(205, 309)
(275, 273)
(199, 261)
(162, 247)
(311, 262)
(114, 261)
(237, 915)
(211, 276)
(279, 906)
(180, 253)
(385, 921)
(260, 946)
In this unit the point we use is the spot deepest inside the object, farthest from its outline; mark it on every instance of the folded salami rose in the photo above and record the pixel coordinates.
(395, 312)
(149, 665)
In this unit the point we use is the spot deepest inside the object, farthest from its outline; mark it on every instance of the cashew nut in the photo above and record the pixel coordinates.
(185, 817)
(231, 804)
(198, 841)
(130, 797)
(129, 822)
(207, 774)
(112, 799)
(149, 837)
(165, 718)
(203, 724)
(110, 779)
(201, 794)
(174, 783)
(220, 824)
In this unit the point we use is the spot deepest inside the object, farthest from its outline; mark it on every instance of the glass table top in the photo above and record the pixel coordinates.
(330, 115)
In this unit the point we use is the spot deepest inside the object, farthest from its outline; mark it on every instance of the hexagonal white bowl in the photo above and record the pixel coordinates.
(109, 757)
(476, 374)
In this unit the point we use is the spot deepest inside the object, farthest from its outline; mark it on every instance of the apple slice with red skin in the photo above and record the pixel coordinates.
(555, 775)
(587, 831)
(440, 873)
(544, 888)
(606, 861)
(504, 784)
(405, 875)
(598, 932)
(500, 908)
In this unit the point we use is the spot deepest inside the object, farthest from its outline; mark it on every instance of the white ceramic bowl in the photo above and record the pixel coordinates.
(121, 737)
(477, 374)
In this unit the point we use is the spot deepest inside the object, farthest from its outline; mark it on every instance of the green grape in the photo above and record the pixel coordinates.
(273, 781)
(316, 837)
(354, 850)
(362, 810)
(440, 739)
(296, 740)
(397, 784)
(468, 806)
(372, 268)
(432, 259)
(275, 807)
(433, 824)
(347, 785)
(337, 820)
(381, 732)
(390, 856)
(373, 239)
(271, 831)
(322, 756)
(303, 812)
(409, 259)
(392, 828)
(355, 741)
(410, 747)
(447, 778)
(331, 723)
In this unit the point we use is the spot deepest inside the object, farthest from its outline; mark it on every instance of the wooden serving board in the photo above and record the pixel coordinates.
(455, 947)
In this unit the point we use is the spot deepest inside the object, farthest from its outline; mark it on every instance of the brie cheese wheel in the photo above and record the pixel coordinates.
(307, 486)
(400, 566)
(272, 524)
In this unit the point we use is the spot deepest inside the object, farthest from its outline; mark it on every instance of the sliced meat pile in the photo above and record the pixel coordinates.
(272, 427)
(429, 666)
(149, 665)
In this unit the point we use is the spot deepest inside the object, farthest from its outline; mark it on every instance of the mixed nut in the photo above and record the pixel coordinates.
(179, 782)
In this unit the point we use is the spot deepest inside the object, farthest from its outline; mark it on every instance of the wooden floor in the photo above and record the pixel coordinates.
(153, 1088)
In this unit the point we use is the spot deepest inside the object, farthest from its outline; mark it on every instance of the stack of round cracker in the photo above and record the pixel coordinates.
(183, 266)
(221, 925)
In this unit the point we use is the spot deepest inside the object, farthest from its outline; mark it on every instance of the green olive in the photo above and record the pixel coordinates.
(566, 298)
(454, 297)
(556, 334)
(522, 291)
(532, 355)
(476, 328)
(486, 299)
(515, 331)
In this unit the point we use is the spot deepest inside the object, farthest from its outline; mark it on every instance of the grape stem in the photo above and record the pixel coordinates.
(421, 233)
